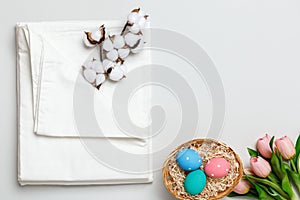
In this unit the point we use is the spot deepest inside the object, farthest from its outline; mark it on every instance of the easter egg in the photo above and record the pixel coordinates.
(217, 167)
(195, 182)
(189, 159)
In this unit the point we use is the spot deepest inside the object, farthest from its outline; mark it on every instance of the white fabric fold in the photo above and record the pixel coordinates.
(57, 54)
(49, 59)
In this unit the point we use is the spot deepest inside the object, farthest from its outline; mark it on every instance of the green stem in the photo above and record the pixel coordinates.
(271, 184)
(293, 166)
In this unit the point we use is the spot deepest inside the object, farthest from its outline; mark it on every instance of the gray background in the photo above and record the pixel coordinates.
(254, 44)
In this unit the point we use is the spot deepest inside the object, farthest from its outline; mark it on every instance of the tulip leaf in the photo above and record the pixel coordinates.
(283, 168)
(276, 195)
(233, 194)
(296, 158)
(285, 182)
(252, 152)
(262, 194)
(268, 183)
(295, 178)
(298, 163)
(272, 192)
(271, 143)
(286, 186)
(276, 168)
(253, 192)
(272, 177)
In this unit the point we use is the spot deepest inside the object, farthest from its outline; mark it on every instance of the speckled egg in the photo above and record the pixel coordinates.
(189, 159)
(217, 167)
(195, 182)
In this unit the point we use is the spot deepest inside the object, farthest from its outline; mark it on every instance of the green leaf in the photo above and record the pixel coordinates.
(253, 192)
(271, 143)
(267, 183)
(286, 186)
(233, 194)
(276, 195)
(296, 159)
(272, 177)
(298, 163)
(283, 165)
(295, 178)
(252, 152)
(285, 182)
(276, 168)
(272, 192)
(262, 194)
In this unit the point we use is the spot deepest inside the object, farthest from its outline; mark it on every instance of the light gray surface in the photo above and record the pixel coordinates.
(255, 46)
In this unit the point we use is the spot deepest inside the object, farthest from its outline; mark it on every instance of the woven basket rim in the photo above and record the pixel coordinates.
(165, 173)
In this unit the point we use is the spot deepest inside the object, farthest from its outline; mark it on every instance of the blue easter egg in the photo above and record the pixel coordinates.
(195, 182)
(189, 159)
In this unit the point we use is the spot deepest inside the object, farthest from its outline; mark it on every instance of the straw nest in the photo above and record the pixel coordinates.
(215, 188)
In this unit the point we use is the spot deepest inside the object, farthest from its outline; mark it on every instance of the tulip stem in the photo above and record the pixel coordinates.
(293, 166)
(271, 184)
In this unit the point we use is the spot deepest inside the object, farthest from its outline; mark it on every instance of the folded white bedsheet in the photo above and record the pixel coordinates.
(49, 59)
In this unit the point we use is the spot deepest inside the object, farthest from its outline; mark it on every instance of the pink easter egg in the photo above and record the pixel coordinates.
(217, 167)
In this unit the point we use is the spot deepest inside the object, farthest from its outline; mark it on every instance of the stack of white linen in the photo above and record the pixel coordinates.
(52, 148)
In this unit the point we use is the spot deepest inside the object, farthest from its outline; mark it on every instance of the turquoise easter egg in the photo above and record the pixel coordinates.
(195, 182)
(189, 159)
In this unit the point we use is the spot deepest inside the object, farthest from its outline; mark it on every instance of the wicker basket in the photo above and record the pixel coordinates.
(216, 188)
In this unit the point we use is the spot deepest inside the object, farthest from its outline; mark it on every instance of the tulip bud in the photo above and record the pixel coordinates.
(260, 166)
(242, 187)
(286, 147)
(263, 146)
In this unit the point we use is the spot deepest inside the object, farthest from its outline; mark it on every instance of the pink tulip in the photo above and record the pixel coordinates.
(242, 187)
(260, 166)
(263, 146)
(286, 147)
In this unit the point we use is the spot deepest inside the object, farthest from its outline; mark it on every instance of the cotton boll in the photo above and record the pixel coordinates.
(88, 65)
(123, 53)
(112, 55)
(133, 17)
(118, 41)
(141, 13)
(97, 66)
(108, 64)
(107, 45)
(131, 39)
(94, 65)
(123, 68)
(142, 23)
(96, 35)
(100, 79)
(135, 28)
(116, 74)
(87, 42)
(89, 75)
